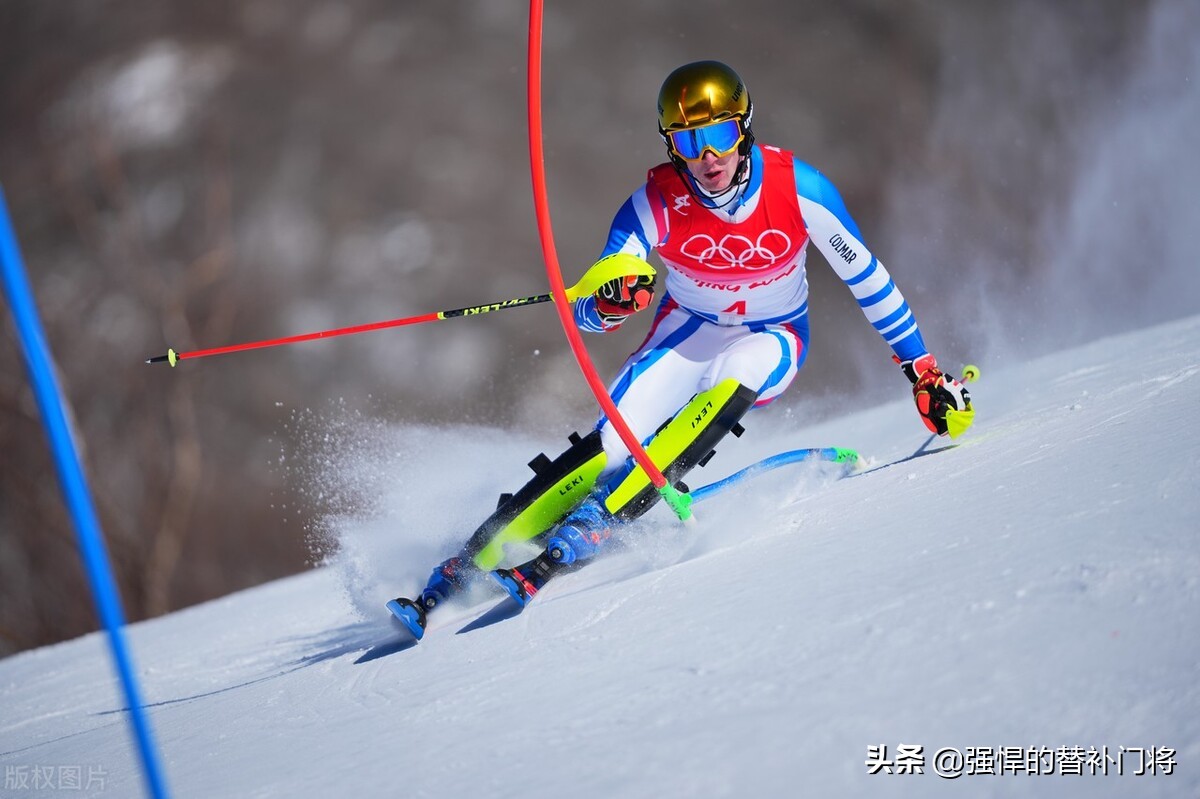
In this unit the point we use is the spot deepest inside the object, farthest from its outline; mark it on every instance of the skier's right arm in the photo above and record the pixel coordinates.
(638, 227)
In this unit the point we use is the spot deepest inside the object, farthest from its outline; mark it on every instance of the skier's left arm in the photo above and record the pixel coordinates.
(836, 235)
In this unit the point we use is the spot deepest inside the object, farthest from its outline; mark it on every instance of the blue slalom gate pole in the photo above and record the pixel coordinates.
(75, 490)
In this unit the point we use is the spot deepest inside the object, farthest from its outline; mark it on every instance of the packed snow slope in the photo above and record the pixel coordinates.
(1035, 586)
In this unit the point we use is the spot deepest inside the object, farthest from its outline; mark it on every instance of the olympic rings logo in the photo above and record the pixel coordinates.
(735, 251)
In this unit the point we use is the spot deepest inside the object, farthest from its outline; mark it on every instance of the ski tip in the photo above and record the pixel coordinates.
(410, 615)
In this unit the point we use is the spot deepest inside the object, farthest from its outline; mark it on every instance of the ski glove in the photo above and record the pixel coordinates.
(943, 402)
(622, 297)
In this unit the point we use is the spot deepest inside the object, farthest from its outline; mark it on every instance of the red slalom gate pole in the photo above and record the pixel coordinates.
(680, 502)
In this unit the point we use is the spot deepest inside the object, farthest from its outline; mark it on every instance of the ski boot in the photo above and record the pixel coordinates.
(582, 534)
(577, 539)
(448, 578)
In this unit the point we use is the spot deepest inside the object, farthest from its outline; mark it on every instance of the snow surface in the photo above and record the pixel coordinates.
(1034, 586)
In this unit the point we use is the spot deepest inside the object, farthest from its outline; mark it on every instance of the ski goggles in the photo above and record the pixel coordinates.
(721, 138)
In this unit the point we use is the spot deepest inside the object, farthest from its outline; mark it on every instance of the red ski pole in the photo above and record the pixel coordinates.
(172, 357)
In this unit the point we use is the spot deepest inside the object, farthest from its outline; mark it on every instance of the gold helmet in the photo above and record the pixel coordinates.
(699, 95)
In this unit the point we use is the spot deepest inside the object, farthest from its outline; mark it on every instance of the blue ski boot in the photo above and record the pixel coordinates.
(449, 576)
(447, 579)
(578, 538)
(582, 534)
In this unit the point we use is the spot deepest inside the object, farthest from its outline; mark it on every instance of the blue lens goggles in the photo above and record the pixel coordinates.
(722, 138)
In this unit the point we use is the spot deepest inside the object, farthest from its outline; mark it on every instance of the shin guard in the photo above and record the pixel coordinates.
(557, 487)
(685, 441)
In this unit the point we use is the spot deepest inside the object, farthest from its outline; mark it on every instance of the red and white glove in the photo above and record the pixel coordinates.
(622, 297)
(939, 396)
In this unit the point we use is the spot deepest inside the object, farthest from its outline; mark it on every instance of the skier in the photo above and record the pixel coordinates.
(731, 221)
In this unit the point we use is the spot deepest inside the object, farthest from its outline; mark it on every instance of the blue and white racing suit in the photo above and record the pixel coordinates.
(735, 302)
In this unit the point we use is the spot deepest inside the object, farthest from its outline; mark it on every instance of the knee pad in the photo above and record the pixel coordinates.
(557, 487)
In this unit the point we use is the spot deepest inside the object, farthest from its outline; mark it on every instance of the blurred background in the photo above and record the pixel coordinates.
(189, 175)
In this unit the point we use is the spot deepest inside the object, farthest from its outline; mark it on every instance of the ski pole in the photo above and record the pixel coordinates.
(172, 357)
(600, 273)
